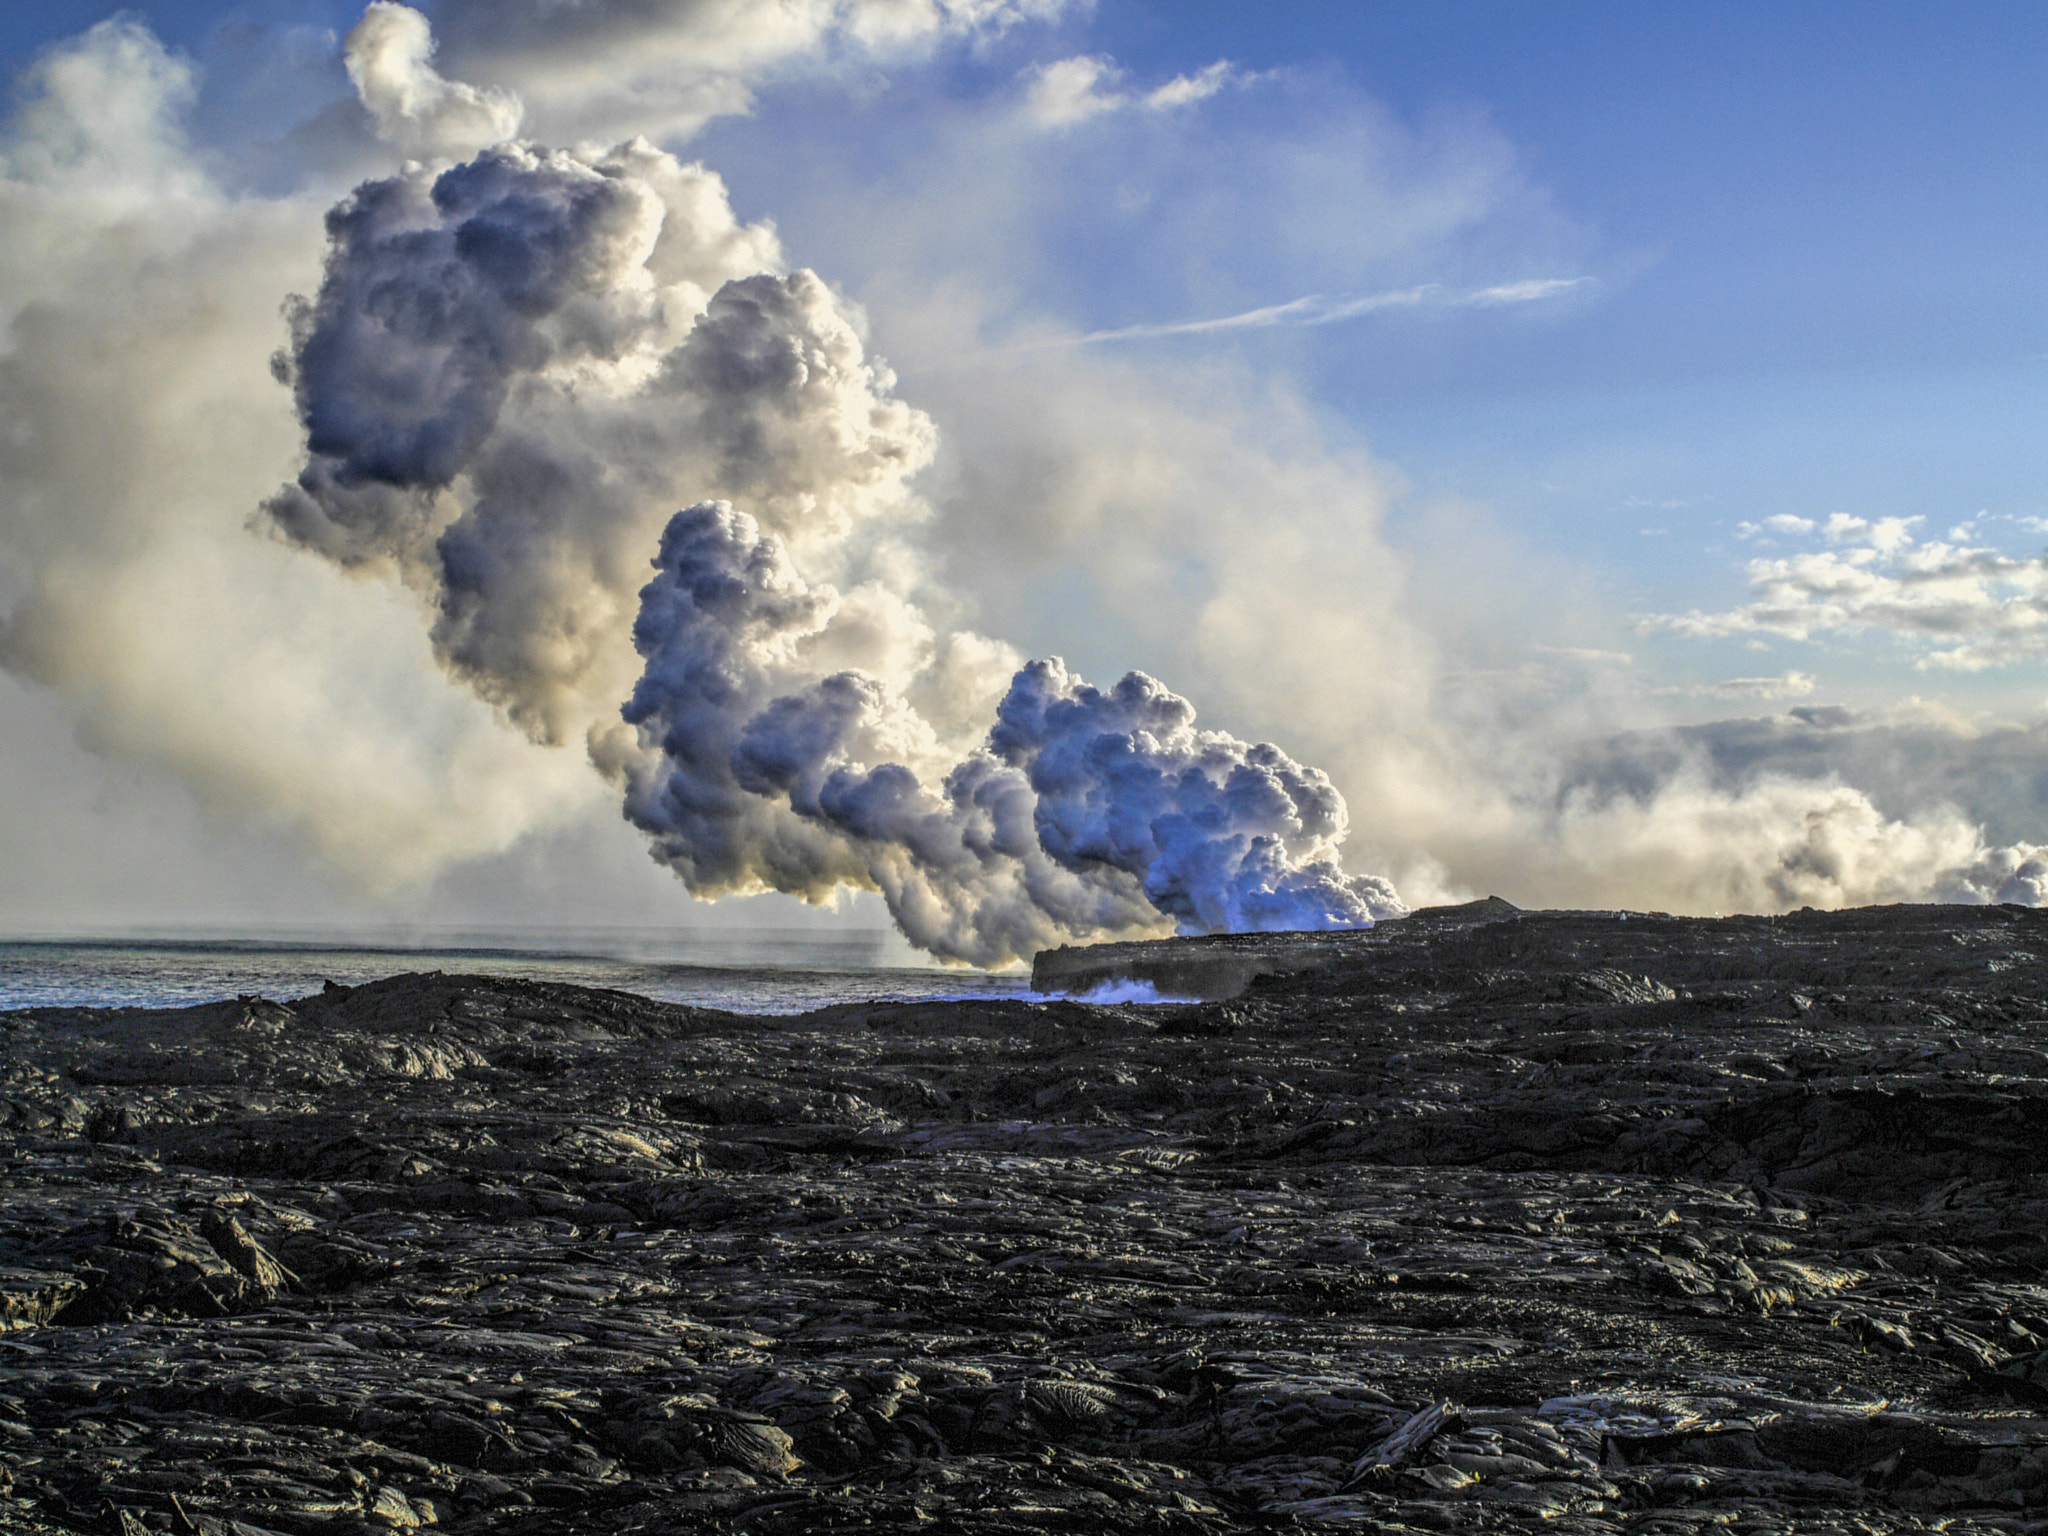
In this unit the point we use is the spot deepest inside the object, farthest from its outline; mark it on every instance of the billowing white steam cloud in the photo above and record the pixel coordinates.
(515, 369)
(1085, 811)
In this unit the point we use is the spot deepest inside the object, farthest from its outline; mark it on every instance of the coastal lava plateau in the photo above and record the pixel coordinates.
(1478, 1220)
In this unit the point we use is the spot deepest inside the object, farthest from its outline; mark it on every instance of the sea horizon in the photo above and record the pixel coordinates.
(763, 970)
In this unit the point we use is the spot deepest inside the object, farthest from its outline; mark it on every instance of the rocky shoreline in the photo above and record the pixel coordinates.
(1479, 1220)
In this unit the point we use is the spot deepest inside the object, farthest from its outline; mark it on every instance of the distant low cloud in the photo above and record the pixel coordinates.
(1588, 656)
(1781, 843)
(1916, 760)
(1789, 685)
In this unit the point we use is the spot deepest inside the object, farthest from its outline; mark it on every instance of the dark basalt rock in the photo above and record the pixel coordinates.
(1482, 1219)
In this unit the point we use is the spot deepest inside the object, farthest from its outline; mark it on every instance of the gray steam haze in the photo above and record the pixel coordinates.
(427, 495)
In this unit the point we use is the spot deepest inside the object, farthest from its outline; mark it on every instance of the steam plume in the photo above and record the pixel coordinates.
(515, 367)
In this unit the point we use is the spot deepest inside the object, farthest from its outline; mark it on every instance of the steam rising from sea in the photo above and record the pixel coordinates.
(516, 367)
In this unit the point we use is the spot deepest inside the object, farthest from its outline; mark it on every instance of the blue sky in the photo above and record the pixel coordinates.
(1588, 295)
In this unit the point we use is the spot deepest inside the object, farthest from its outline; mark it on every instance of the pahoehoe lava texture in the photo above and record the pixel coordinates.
(1479, 1220)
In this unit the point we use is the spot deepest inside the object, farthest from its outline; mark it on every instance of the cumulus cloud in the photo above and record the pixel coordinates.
(1886, 535)
(1963, 607)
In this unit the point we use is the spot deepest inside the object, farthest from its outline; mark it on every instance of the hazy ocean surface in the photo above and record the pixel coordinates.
(751, 973)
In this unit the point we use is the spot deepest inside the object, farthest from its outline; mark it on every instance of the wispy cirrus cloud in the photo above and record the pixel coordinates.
(1324, 309)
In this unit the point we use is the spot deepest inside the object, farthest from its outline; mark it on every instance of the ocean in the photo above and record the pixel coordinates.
(749, 973)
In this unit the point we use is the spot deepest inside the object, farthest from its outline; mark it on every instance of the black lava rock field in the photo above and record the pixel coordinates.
(1481, 1220)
